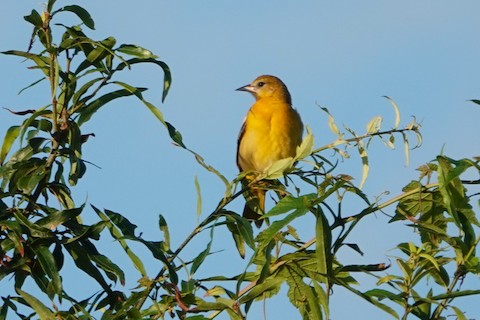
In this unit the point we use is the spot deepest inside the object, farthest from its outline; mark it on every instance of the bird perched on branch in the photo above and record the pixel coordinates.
(271, 131)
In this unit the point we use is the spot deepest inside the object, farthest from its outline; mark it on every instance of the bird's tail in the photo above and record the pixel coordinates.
(255, 206)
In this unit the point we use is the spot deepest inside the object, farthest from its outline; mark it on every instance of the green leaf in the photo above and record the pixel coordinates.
(62, 193)
(101, 50)
(451, 188)
(81, 254)
(87, 112)
(241, 230)
(456, 294)
(175, 134)
(290, 203)
(459, 313)
(41, 310)
(117, 224)
(162, 223)
(268, 234)
(34, 18)
(110, 268)
(53, 220)
(384, 294)
(49, 266)
(41, 61)
(10, 137)
(83, 89)
(323, 243)
(34, 229)
(81, 13)
(167, 81)
(269, 284)
(125, 226)
(137, 51)
(156, 248)
(198, 260)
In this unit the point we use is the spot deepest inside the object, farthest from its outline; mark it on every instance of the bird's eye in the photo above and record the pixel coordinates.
(260, 84)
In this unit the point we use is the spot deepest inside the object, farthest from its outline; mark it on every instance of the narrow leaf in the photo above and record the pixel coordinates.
(322, 243)
(162, 223)
(87, 112)
(365, 167)
(41, 61)
(10, 136)
(397, 112)
(197, 262)
(199, 197)
(331, 122)
(49, 266)
(137, 51)
(81, 13)
(167, 81)
(42, 311)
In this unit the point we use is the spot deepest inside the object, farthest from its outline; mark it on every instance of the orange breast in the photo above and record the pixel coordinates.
(273, 132)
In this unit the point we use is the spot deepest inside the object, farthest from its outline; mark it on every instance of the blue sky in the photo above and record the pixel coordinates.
(344, 55)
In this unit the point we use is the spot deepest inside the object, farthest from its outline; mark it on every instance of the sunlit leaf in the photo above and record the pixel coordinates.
(272, 283)
(397, 112)
(42, 311)
(331, 122)
(162, 224)
(53, 220)
(406, 148)
(34, 229)
(306, 147)
(459, 313)
(137, 51)
(10, 137)
(365, 166)
(374, 125)
(277, 169)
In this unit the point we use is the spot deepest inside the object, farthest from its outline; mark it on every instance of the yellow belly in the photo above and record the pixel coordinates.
(272, 132)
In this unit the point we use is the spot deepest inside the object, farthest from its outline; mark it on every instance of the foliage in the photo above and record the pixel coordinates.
(37, 233)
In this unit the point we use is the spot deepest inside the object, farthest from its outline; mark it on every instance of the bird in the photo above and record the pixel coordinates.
(272, 130)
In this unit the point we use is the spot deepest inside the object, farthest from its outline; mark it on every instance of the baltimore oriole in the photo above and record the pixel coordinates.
(271, 131)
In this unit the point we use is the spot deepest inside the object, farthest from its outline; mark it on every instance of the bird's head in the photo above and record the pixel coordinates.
(268, 87)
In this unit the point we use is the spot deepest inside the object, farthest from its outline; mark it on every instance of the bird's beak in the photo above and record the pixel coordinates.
(247, 88)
